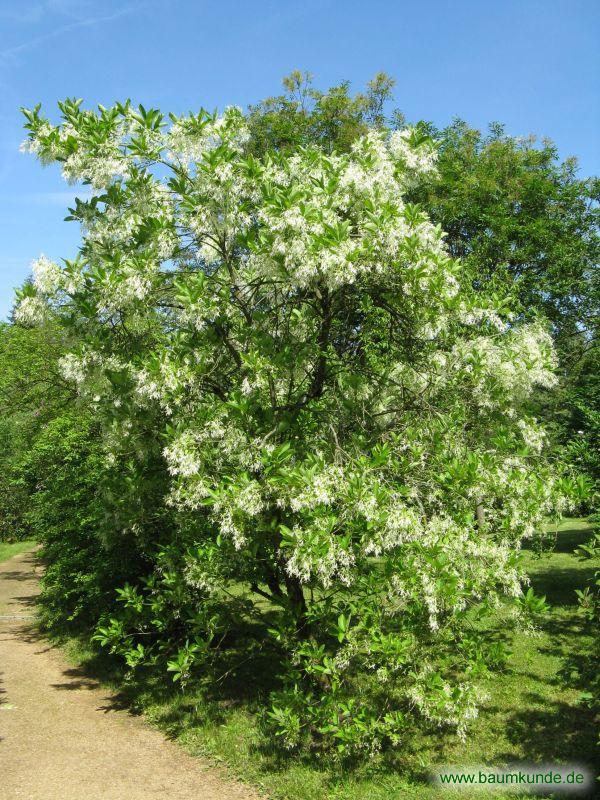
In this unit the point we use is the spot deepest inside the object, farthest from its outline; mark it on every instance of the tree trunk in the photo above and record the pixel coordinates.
(298, 603)
(480, 514)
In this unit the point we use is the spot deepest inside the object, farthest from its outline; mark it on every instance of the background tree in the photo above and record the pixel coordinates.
(32, 393)
(304, 115)
(525, 225)
(55, 485)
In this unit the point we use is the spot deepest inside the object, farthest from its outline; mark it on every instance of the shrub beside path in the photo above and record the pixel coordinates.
(63, 736)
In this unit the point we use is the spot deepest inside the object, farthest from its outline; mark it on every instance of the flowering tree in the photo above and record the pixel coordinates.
(333, 426)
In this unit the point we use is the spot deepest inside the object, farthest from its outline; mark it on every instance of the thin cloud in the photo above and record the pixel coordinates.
(10, 52)
(34, 12)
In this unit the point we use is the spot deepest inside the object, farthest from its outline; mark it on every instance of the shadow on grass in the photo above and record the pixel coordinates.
(558, 732)
(569, 539)
(552, 729)
(558, 583)
(242, 676)
(561, 541)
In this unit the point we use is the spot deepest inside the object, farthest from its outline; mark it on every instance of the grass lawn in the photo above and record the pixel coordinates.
(531, 716)
(9, 549)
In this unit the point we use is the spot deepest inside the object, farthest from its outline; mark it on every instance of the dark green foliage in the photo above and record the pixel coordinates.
(522, 220)
(57, 488)
(13, 493)
(61, 473)
(32, 392)
(581, 437)
(61, 480)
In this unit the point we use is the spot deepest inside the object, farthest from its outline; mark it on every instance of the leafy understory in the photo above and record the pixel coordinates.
(533, 712)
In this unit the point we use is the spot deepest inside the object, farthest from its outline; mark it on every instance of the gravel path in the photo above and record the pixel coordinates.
(63, 737)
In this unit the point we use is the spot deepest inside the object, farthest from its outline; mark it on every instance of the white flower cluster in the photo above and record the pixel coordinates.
(190, 138)
(418, 161)
(181, 456)
(398, 526)
(508, 367)
(31, 311)
(37, 145)
(120, 224)
(533, 435)
(47, 276)
(74, 368)
(99, 166)
(475, 316)
(444, 704)
(99, 170)
(349, 218)
(320, 488)
(235, 510)
(319, 554)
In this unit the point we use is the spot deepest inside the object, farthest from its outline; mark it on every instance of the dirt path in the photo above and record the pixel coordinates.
(60, 737)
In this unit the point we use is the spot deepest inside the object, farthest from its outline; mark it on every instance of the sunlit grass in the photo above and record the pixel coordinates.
(9, 549)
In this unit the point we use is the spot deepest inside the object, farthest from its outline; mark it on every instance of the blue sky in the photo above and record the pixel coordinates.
(532, 64)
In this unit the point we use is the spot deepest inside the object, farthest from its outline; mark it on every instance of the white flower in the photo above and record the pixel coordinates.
(47, 275)
(31, 311)
(181, 456)
(73, 368)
